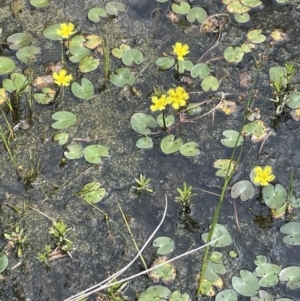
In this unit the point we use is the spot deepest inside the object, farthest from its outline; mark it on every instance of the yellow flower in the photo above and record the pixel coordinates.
(66, 30)
(177, 97)
(263, 175)
(180, 50)
(159, 103)
(62, 78)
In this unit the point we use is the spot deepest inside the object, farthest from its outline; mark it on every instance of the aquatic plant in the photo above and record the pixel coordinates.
(143, 185)
(66, 30)
(262, 176)
(61, 78)
(185, 197)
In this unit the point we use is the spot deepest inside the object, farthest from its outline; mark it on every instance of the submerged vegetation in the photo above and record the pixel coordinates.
(103, 83)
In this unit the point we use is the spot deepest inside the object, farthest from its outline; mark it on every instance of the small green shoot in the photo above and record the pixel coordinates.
(143, 185)
(17, 238)
(185, 197)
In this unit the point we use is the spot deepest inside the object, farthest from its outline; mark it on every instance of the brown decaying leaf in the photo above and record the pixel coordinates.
(210, 25)
(43, 81)
(245, 79)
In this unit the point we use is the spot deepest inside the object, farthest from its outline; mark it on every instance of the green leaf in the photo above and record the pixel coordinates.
(227, 295)
(293, 231)
(17, 82)
(194, 109)
(263, 296)
(92, 192)
(246, 285)
(51, 32)
(257, 129)
(210, 82)
(177, 296)
(219, 231)
(19, 40)
(61, 138)
(78, 53)
(242, 18)
(292, 276)
(132, 55)
(268, 274)
(141, 123)
(88, 64)
(169, 120)
(113, 8)
(244, 189)
(144, 142)
(274, 196)
(232, 136)
(181, 9)
(294, 100)
(3, 263)
(202, 70)
(168, 145)
(6, 65)
(212, 271)
(155, 292)
(46, 97)
(122, 77)
(74, 151)
(40, 3)
(256, 36)
(223, 165)
(216, 257)
(95, 13)
(184, 65)
(164, 244)
(165, 63)
(27, 54)
(166, 272)
(236, 7)
(233, 55)
(64, 119)
(190, 149)
(93, 153)
(261, 260)
(251, 3)
(162, 1)
(196, 13)
(85, 91)
(277, 74)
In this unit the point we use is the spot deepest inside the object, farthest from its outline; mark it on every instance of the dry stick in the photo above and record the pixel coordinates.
(40, 212)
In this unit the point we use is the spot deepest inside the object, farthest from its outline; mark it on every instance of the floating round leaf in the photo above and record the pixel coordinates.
(165, 63)
(261, 260)
(3, 263)
(122, 77)
(293, 231)
(244, 189)
(223, 166)
(51, 32)
(40, 3)
(194, 108)
(93, 153)
(210, 82)
(202, 70)
(294, 100)
(227, 295)
(257, 129)
(292, 276)
(74, 151)
(251, 3)
(277, 74)
(27, 54)
(233, 55)
(218, 232)
(93, 41)
(236, 7)
(46, 97)
(169, 120)
(162, 1)
(95, 13)
(168, 145)
(85, 91)
(88, 64)
(190, 149)
(155, 292)
(184, 65)
(177, 296)
(274, 197)
(113, 8)
(242, 18)
(246, 285)
(132, 55)
(216, 257)
(164, 244)
(19, 40)
(166, 272)
(64, 119)
(181, 9)
(144, 142)
(78, 53)
(263, 296)
(61, 138)
(256, 36)
(234, 138)
(141, 123)
(6, 65)
(268, 274)
(196, 13)
(92, 192)
(212, 271)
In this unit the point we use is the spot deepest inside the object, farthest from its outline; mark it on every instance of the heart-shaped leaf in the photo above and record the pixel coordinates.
(74, 151)
(61, 138)
(261, 260)
(93, 153)
(251, 3)
(92, 192)
(196, 13)
(132, 55)
(223, 166)
(242, 18)
(155, 292)
(78, 53)
(268, 274)
(294, 100)
(166, 272)
(3, 263)
(246, 285)
(210, 82)
(184, 65)
(19, 40)
(202, 70)
(46, 97)
(263, 296)
(244, 189)
(144, 142)
(85, 91)
(165, 63)
(169, 145)
(122, 77)
(181, 9)
(257, 129)
(64, 119)
(141, 123)
(169, 120)
(113, 8)
(40, 3)
(233, 55)
(6, 65)
(17, 82)
(236, 7)
(51, 32)
(118, 52)
(164, 244)
(177, 296)
(293, 231)
(232, 136)
(27, 54)
(218, 232)
(292, 276)
(88, 64)
(212, 271)
(274, 196)
(277, 74)
(227, 295)
(96, 13)
(256, 36)
(190, 149)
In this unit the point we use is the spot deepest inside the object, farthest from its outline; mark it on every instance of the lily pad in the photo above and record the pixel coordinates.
(78, 53)
(118, 52)
(6, 65)
(51, 32)
(274, 196)
(293, 231)
(141, 123)
(219, 231)
(17, 82)
(233, 54)
(3, 263)
(113, 8)
(165, 63)
(61, 138)
(236, 7)
(74, 151)
(155, 292)
(93, 41)
(166, 272)
(212, 270)
(196, 13)
(88, 64)
(181, 9)
(19, 40)
(268, 274)
(169, 145)
(144, 142)
(96, 13)
(261, 260)
(169, 120)
(132, 55)
(256, 36)
(40, 3)
(184, 65)
(294, 100)
(242, 18)
(94, 153)
(64, 119)
(292, 276)
(257, 129)
(223, 165)
(246, 285)
(227, 295)
(244, 189)
(92, 192)
(27, 54)
(202, 70)
(83, 91)
(190, 149)
(262, 296)
(251, 3)
(122, 77)
(232, 137)
(210, 82)
(46, 97)
(164, 244)
(277, 74)
(177, 296)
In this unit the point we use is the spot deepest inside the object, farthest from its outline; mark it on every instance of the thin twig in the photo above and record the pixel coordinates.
(40, 212)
